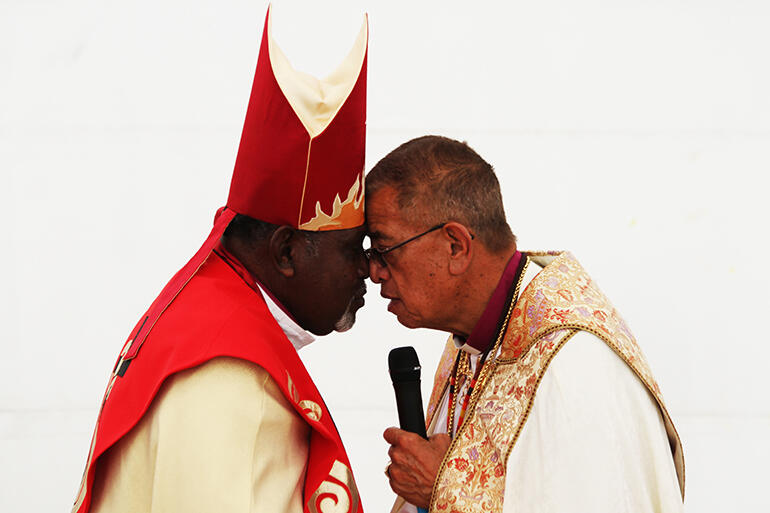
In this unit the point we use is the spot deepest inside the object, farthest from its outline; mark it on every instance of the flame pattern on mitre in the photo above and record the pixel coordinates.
(303, 142)
(344, 214)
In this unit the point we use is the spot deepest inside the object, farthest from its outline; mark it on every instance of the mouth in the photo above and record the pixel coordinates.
(387, 296)
(394, 301)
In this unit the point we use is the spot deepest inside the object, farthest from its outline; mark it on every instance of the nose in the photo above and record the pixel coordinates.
(377, 272)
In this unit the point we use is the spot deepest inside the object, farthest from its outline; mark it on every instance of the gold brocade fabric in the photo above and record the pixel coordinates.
(441, 379)
(560, 300)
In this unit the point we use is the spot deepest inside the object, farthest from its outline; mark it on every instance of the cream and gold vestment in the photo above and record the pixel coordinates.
(219, 437)
(568, 417)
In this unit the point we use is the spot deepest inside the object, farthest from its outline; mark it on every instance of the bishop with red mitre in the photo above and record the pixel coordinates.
(209, 407)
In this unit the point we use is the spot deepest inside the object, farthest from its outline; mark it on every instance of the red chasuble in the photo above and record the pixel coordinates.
(237, 324)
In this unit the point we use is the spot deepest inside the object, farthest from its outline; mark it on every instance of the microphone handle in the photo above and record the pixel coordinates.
(410, 410)
(409, 404)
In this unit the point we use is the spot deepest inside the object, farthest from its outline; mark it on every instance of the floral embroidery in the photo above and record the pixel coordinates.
(559, 301)
(460, 464)
(441, 379)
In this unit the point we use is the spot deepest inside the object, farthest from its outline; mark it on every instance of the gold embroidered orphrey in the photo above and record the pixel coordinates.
(559, 301)
(337, 493)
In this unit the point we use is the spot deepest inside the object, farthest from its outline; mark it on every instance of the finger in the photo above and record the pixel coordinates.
(403, 438)
(392, 435)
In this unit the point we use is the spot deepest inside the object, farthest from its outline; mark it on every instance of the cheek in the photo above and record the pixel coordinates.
(342, 281)
(416, 291)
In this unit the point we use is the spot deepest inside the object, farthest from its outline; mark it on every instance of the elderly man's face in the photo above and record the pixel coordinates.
(414, 276)
(334, 278)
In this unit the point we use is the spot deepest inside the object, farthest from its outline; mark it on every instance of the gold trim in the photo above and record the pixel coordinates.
(567, 336)
(435, 411)
(337, 493)
(535, 352)
(113, 376)
(575, 327)
(304, 184)
(311, 409)
(441, 375)
(486, 371)
(82, 491)
(347, 213)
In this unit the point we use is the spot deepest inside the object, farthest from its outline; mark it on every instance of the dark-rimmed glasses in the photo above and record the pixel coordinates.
(378, 255)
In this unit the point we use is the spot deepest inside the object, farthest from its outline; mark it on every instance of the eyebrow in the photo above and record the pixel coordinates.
(380, 238)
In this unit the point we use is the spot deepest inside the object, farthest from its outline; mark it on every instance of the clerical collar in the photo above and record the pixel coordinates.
(488, 325)
(298, 337)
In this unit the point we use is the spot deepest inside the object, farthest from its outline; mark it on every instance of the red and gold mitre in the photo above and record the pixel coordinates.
(301, 158)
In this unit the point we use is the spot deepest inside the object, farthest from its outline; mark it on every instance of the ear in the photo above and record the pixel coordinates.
(460, 247)
(281, 250)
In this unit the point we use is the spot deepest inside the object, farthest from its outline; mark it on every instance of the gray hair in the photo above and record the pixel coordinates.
(438, 179)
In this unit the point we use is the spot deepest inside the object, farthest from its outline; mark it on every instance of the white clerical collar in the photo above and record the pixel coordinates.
(299, 338)
(463, 346)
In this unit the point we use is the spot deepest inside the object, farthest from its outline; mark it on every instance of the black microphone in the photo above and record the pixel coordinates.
(404, 369)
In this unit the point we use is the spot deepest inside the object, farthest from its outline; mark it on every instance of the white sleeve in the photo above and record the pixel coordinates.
(594, 441)
(219, 437)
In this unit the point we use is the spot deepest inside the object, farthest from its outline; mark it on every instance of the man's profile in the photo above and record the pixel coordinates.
(209, 407)
(542, 401)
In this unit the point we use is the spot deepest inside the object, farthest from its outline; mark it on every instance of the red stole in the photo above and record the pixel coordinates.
(218, 313)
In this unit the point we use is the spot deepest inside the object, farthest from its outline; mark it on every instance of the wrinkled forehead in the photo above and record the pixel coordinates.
(389, 226)
(381, 208)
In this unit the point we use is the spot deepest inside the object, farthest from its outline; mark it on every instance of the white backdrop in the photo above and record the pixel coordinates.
(634, 133)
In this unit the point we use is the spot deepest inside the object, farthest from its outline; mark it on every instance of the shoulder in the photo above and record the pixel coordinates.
(219, 383)
(215, 314)
(590, 399)
(587, 358)
(222, 399)
(594, 439)
(587, 375)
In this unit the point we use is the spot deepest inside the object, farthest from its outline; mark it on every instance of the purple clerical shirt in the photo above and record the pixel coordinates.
(486, 327)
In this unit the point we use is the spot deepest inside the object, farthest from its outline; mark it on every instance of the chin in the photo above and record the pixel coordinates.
(320, 332)
(409, 322)
(345, 322)
(403, 317)
(348, 319)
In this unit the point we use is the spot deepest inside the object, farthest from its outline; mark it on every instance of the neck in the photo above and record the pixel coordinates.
(252, 259)
(476, 289)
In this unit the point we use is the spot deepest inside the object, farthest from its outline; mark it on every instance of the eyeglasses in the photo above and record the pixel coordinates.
(378, 255)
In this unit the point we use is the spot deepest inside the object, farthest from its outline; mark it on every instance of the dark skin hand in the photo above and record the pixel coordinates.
(414, 463)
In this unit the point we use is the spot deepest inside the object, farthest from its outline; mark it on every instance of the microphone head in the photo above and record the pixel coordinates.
(404, 364)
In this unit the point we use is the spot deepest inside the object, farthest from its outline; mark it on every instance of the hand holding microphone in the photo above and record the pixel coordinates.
(415, 460)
